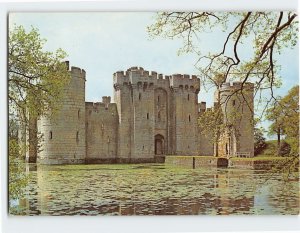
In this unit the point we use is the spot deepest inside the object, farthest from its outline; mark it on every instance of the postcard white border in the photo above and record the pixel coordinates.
(124, 224)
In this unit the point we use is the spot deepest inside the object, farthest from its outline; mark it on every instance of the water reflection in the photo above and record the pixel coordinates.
(155, 190)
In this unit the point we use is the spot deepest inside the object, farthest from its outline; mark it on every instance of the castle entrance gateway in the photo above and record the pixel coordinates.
(159, 145)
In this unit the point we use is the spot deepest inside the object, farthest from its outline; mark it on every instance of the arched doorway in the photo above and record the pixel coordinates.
(159, 145)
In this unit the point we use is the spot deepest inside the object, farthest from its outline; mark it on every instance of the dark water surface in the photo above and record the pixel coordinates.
(155, 189)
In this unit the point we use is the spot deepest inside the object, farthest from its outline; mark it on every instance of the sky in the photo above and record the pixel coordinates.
(103, 43)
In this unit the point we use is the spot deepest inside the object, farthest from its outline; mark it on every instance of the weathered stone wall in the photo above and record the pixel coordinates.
(237, 106)
(185, 105)
(158, 113)
(153, 115)
(64, 134)
(205, 141)
(101, 132)
(123, 98)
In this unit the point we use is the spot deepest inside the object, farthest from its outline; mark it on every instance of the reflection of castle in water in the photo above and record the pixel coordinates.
(153, 116)
(47, 199)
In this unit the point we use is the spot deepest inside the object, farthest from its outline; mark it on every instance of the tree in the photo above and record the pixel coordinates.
(268, 32)
(263, 34)
(284, 115)
(36, 78)
(259, 141)
(286, 112)
(276, 115)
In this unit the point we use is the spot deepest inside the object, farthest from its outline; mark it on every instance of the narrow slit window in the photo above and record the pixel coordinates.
(189, 118)
(77, 136)
(157, 99)
(78, 113)
(233, 102)
(140, 96)
(147, 116)
(188, 96)
(50, 134)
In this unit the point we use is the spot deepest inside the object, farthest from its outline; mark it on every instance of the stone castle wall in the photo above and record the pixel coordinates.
(101, 132)
(237, 106)
(153, 116)
(64, 133)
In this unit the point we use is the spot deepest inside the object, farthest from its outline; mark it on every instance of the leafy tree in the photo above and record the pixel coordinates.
(285, 149)
(284, 115)
(17, 177)
(211, 123)
(36, 77)
(259, 141)
(268, 33)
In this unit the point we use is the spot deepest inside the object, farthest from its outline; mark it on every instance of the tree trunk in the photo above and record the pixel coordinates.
(278, 141)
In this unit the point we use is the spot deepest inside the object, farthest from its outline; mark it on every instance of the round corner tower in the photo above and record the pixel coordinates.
(237, 103)
(64, 133)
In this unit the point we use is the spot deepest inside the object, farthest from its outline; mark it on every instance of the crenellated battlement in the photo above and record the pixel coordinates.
(75, 71)
(185, 81)
(136, 75)
(78, 72)
(99, 106)
(237, 85)
(153, 115)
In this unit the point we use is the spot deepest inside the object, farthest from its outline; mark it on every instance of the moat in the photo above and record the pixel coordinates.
(155, 189)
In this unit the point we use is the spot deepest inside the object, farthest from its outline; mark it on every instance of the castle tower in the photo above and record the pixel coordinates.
(185, 107)
(134, 95)
(237, 105)
(123, 99)
(64, 133)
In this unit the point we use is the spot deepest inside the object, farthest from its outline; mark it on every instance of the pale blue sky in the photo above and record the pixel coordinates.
(102, 43)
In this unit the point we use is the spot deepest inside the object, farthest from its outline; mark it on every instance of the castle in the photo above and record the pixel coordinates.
(152, 116)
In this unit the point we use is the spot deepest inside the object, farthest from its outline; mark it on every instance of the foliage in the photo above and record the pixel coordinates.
(211, 123)
(259, 141)
(36, 80)
(284, 149)
(284, 115)
(17, 178)
(36, 77)
(264, 34)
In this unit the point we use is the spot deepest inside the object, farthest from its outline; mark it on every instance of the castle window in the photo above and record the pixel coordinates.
(157, 99)
(140, 95)
(233, 102)
(50, 135)
(189, 118)
(227, 150)
(78, 113)
(147, 115)
(188, 96)
(77, 136)
(158, 115)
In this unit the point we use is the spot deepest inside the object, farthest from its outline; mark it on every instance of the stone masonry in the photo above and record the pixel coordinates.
(152, 116)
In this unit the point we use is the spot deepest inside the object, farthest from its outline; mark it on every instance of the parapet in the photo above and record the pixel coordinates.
(184, 81)
(100, 106)
(75, 71)
(106, 101)
(136, 75)
(237, 85)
